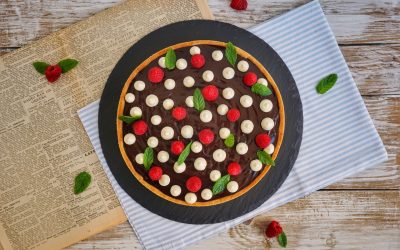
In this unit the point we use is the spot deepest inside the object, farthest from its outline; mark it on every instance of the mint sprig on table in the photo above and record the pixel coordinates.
(265, 158)
(220, 184)
(40, 66)
(282, 240)
(230, 53)
(230, 141)
(326, 83)
(148, 158)
(82, 182)
(170, 59)
(128, 119)
(261, 89)
(184, 154)
(67, 64)
(198, 100)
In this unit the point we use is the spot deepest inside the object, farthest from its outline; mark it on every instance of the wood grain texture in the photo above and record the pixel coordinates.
(353, 21)
(323, 220)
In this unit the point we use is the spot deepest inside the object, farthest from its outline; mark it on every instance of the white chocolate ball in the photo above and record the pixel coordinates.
(215, 175)
(155, 120)
(139, 85)
(266, 105)
(181, 64)
(219, 155)
(246, 101)
(135, 111)
(187, 131)
(263, 81)
(188, 81)
(129, 139)
(139, 158)
(256, 165)
(167, 133)
(217, 55)
(179, 168)
(208, 76)
(190, 198)
(196, 147)
(168, 104)
(267, 123)
(165, 180)
(270, 149)
(228, 73)
(243, 66)
(228, 93)
(189, 101)
(232, 186)
(151, 100)
(194, 50)
(224, 133)
(152, 142)
(242, 148)
(205, 116)
(247, 126)
(200, 163)
(222, 109)
(175, 190)
(206, 194)
(161, 62)
(169, 84)
(163, 156)
(129, 97)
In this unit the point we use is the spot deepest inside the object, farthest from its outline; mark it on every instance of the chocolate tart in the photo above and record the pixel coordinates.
(244, 100)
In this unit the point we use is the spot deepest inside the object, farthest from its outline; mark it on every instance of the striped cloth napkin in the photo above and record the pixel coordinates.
(339, 137)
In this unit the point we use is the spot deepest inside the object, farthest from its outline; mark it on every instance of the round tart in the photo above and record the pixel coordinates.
(200, 123)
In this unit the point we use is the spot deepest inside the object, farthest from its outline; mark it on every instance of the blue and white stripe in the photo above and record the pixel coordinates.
(339, 138)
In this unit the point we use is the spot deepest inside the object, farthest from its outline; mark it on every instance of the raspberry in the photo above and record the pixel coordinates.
(197, 61)
(155, 74)
(263, 140)
(250, 78)
(139, 127)
(53, 72)
(273, 229)
(234, 168)
(239, 4)
(233, 115)
(206, 136)
(179, 113)
(177, 147)
(210, 93)
(193, 184)
(155, 173)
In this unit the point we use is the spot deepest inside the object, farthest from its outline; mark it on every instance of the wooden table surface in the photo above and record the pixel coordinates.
(361, 212)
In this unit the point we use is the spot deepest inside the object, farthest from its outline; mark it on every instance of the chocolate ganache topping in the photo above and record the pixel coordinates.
(169, 103)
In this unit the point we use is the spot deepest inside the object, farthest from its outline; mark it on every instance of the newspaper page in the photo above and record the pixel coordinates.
(43, 145)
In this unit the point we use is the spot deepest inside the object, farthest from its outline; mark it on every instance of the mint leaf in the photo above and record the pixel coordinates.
(128, 119)
(265, 158)
(220, 184)
(230, 141)
(82, 181)
(148, 158)
(282, 240)
(261, 89)
(198, 100)
(185, 153)
(40, 66)
(170, 59)
(326, 83)
(67, 64)
(230, 53)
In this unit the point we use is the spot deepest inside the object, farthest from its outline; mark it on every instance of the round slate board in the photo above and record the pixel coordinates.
(201, 30)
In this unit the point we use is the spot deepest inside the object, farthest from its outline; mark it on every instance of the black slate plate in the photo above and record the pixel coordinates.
(201, 30)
